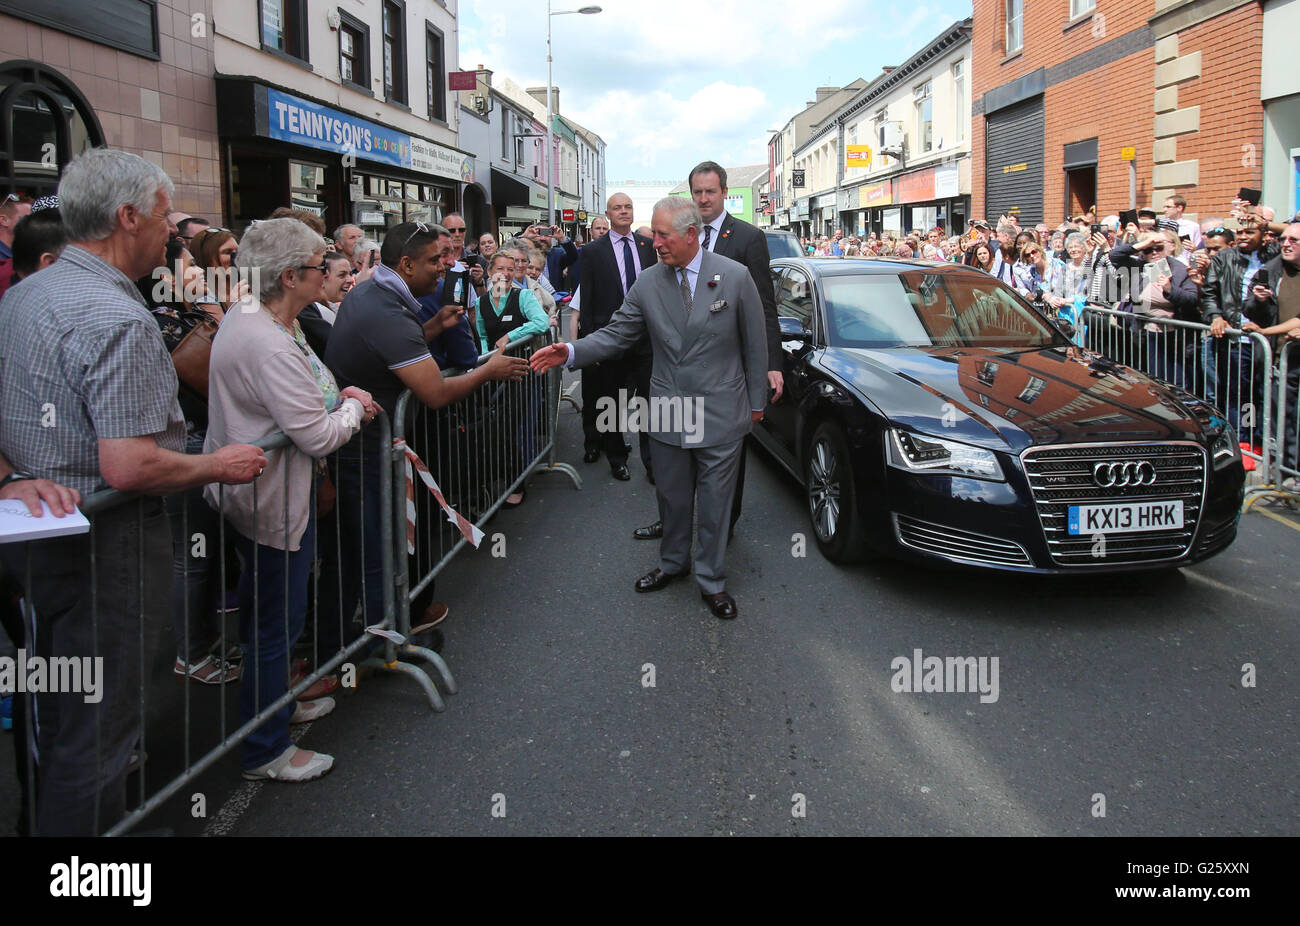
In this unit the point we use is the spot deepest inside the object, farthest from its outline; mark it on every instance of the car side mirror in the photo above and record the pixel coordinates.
(792, 329)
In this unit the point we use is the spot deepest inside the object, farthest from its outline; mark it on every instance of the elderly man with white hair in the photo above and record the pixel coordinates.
(89, 395)
(705, 321)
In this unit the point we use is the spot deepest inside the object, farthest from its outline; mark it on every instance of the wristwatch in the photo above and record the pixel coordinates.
(15, 476)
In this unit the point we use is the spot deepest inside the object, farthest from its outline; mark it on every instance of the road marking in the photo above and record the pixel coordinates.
(1277, 517)
(1223, 586)
(233, 809)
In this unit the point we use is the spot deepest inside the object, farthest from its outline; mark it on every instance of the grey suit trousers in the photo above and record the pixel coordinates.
(687, 477)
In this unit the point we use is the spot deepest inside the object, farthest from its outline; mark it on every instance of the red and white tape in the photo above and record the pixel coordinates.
(413, 465)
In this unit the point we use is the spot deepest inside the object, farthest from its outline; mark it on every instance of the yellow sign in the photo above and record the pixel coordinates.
(857, 156)
(1128, 154)
(1014, 168)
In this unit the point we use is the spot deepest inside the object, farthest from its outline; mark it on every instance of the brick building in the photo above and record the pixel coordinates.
(1062, 87)
(131, 75)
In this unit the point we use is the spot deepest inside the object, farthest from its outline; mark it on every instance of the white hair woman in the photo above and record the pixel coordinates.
(264, 378)
(1076, 276)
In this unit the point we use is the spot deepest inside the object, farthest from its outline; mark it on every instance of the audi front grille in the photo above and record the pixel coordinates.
(1091, 474)
(958, 545)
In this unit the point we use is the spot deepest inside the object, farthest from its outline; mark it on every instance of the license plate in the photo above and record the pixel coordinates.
(1125, 519)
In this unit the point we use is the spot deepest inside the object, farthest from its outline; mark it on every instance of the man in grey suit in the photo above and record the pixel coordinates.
(709, 385)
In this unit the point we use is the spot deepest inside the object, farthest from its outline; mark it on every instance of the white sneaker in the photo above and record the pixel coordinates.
(283, 769)
(306, 711)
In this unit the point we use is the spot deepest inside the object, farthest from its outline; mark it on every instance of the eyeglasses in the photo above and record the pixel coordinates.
(323, 267)
(455, 231)
(419, 227)
(1290, 239)
(13, 198)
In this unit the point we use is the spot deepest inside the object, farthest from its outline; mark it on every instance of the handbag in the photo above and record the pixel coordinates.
(191, 355)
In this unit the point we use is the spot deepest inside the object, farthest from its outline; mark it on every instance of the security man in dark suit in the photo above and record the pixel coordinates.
(735, 238)
(609, 266)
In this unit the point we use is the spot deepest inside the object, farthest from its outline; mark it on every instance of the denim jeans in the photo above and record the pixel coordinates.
(357, 481)
(270, 624)
(1231, 383)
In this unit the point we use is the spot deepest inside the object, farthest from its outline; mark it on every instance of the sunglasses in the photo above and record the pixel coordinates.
(1215, 232)
(455, 231)
(419, 227)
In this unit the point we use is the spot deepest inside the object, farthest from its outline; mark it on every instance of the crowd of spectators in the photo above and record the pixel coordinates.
(167, 347)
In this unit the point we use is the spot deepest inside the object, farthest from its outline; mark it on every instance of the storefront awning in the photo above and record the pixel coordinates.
(510, 190)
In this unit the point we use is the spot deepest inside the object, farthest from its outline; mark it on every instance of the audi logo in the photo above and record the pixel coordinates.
(1118, 475)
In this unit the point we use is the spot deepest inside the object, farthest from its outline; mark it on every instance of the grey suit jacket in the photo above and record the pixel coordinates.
(714, 363)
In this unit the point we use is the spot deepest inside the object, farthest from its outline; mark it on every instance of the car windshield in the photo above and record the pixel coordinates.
(921, 308)
(782, 246)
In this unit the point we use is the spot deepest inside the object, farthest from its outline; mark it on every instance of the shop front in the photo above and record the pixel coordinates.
(800, 217)
(934, 196)
(516, 202)
(282, 149)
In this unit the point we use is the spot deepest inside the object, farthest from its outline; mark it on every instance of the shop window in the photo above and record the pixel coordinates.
(395, 52)
(354, 52)
(284, 27)
(434, 71)
(307, 187)
(45, 121)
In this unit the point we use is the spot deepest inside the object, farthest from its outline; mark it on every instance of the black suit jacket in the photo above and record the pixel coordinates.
(601, 288)
(744, 243)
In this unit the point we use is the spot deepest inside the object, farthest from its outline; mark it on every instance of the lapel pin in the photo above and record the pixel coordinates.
(717, 278)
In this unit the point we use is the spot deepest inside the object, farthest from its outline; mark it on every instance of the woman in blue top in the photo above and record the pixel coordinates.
(507, 313)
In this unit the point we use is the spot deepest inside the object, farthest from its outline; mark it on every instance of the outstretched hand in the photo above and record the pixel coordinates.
(547, 357)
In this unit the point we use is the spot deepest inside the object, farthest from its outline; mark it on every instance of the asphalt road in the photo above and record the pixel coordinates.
(784, 722)
(1129, 687)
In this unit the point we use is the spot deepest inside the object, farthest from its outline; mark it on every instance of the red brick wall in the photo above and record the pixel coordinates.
(184, 140)
(1114, 103)
(1232, 115)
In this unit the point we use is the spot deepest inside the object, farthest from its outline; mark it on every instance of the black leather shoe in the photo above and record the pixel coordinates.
(620, 472)
(649, 532)
(722, 605)
(591, 456)
(656, 579)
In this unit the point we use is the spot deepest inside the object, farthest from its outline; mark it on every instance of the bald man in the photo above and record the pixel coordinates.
(607, 269)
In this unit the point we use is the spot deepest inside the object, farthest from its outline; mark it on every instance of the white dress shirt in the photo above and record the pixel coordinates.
(716, 225)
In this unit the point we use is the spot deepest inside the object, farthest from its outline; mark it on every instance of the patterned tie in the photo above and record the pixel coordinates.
(708, 235)
(629, 268)
(686, 292)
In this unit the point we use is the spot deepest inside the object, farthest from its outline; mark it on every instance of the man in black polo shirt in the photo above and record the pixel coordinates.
(378, 344)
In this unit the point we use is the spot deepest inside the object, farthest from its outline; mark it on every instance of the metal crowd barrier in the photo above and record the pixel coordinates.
(476, 451)
(1234, 373)
(186, 746)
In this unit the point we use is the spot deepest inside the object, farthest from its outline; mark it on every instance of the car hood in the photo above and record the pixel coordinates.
(1010, 399)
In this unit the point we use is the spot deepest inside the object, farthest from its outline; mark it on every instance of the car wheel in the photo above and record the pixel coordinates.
(832, 496)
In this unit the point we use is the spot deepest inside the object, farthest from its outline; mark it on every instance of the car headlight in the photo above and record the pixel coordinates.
(921, 453)
(1225, 449)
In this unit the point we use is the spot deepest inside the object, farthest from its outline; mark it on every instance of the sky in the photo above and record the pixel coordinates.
(670, 83)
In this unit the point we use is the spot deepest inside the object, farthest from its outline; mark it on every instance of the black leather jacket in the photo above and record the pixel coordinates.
(1221, 294)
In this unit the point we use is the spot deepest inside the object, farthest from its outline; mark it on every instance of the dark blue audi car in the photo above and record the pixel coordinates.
(933, 414)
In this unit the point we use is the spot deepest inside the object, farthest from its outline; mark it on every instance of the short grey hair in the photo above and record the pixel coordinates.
(364, 246)
(338, 232)
(1072, 237)
(682, 211)
(271, 246)
(98, 182)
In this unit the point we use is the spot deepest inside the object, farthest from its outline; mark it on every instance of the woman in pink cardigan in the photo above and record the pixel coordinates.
(264, 378)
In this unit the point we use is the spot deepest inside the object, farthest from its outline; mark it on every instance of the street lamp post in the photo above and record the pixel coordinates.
(550, 142)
